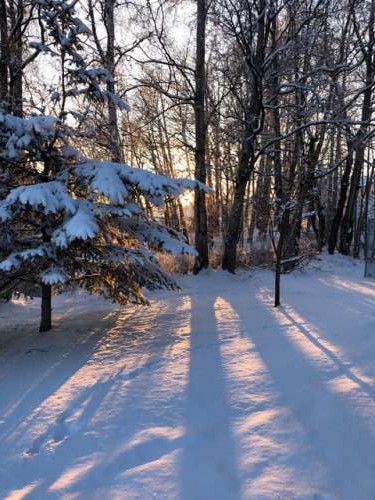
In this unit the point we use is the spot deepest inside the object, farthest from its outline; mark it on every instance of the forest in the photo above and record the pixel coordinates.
(184, 184)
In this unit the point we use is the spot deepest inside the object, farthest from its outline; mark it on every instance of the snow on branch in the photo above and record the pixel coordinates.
(113, 180)
(49, 197)
(18, 134)
(81, 226)
(53, 276)
(163, 238)
(15, 259)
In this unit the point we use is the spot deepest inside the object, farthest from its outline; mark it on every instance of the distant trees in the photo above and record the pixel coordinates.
(288, 119)
(248, 27)
(184, 84)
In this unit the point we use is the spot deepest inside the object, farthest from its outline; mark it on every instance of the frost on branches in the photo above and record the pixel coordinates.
(83, 224)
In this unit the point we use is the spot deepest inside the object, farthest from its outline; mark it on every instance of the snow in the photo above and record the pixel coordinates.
(23, 133)
(49, 195)
(81, 226)
(53, 276)
(15, 259)
(207, 394)
(110, 179)
(41, 47)
(165, 239)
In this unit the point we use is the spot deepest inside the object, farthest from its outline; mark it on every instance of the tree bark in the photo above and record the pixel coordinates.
(348, 221)
(253, 124)
(15, 68)
(200, 210)
(109, 21)
(333, 235)
(4, 52)
(235, 219)
(46, 309)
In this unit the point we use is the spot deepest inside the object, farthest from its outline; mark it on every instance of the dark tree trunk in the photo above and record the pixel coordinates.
(347, 227)
(46, 309)
(253, 126)
(200, 210)
(4, 52)
(234, 230)
(15, 68)
(235, 218)
(279, 251)
(277, 278)
(360, 143)
(333, 235)
(109, 20)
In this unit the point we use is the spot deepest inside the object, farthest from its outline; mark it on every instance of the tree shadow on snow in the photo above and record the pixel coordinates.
(123, 405)
(209, 469)
(345, 319)
(336, 434)
(55, 449)
(342, 367)
(44, 372)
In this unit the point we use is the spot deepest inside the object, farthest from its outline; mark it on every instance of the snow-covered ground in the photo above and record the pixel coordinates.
(206, 394)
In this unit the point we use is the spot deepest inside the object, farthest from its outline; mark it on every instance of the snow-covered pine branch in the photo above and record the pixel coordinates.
(84, 226)
(69, 220)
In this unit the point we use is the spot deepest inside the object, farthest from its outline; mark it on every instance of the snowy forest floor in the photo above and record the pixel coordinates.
(207, 394)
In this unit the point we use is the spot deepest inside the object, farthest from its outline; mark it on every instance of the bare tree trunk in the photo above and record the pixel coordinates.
(46, 309)
(333, 235)
(347, 229)
(278, 264)
(109, 20)
(200, 210)
(107, 57)
(15, 68)
(370, 177)
(4, 52)
(235, 219)
(253, 124)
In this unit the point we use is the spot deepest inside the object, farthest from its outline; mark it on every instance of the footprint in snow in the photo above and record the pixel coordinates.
(55, 435)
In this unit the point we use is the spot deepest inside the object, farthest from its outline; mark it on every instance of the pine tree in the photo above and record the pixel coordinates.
(67, 220)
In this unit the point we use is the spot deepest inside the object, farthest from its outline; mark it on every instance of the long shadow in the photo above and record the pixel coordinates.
(62, 434)
(130, 407)
(340, 365)
(335, 432)
(59, 436)
(56, 367)
(54, 370)
(57, 372)
(344, 313)
(209, 469)
(354, 296)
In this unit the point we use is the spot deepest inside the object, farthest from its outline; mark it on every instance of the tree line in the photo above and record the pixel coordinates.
(272, 107)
